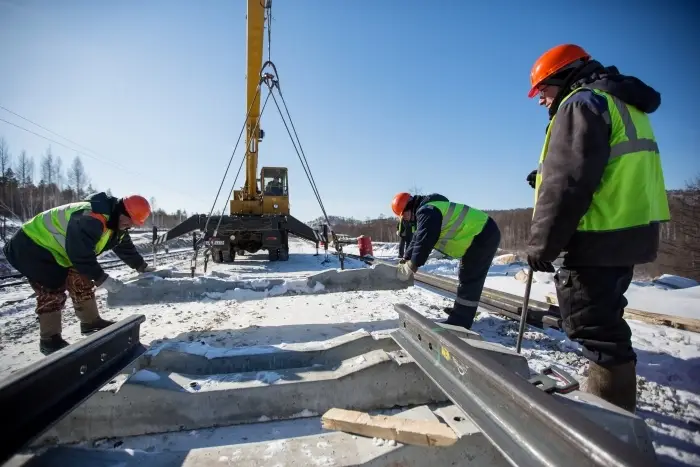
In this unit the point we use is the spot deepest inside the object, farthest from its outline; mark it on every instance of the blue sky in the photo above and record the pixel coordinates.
(385, 95)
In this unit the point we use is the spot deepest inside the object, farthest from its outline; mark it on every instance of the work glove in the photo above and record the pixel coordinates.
(112, 285)
(405, 271)
(539, 265)
(532, 178)
(145, 268)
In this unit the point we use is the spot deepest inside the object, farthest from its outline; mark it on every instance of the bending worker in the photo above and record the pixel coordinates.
(405, 230)
(599, 198)
(458, 231)
(57, 250)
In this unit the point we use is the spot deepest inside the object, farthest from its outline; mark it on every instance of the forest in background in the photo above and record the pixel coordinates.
(29, 186)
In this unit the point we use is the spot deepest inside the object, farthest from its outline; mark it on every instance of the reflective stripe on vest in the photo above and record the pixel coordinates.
(48, 230)
(631, 192)
(460, 224)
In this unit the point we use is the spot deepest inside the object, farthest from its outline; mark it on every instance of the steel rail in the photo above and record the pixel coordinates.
(540, 314)
(530, 427)
(36, 397)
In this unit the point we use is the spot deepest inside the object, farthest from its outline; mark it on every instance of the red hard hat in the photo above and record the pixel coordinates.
(398, 204)
(137, 208)
(552, 61)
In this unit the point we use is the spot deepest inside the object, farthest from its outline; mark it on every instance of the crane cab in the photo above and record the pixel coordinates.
(275, 190)
(272, 194)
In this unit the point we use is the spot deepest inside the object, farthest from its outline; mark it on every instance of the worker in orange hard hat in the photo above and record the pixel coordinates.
(457, 231)
(57, 251)
(599, 200)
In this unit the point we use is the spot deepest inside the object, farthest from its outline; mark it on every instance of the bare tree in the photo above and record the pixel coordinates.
(5, 163)
(48, 178)
(48, 168)
(415, 190)
(152, 202)
(24, 169)
(25, 174)
(58, 175)
(680, 238)
(4, 157)
(77, 179)
(90, 190)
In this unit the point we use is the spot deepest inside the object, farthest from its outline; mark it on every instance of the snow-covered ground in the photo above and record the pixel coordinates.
(668, 367)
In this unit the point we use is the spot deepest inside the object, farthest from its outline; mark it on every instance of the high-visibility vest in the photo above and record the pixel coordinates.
(632, 191)
(48, 229)
(460, 224)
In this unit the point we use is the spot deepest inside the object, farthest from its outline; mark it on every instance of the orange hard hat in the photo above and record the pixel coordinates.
(137, 208)
(553, 61)
(398, 204)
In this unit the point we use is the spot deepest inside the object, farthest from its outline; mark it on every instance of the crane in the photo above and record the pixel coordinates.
(259, 217)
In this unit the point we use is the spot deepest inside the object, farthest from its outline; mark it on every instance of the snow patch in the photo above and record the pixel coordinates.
(383, 442)
(268, 377)
(275, 448)
(675, 282)
(158, 289)
(506, 259)
(208, 351)
(144, 376)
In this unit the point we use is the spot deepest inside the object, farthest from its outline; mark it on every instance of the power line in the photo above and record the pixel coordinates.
(94, 157)
(46, 129)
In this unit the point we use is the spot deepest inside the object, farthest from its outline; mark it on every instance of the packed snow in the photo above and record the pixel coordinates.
(256, 319)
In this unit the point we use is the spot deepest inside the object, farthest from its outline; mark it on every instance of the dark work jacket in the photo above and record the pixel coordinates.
(579, 148)
(84, 232)
(429, 224)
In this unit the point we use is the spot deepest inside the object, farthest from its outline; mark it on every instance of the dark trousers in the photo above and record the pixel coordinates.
(473, 269)
(592, 302)
(404, 242)
(49, 279)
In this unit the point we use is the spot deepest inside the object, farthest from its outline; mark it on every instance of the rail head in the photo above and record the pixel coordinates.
(527, 425)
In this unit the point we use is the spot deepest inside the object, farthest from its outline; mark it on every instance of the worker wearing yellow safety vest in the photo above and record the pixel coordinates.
(458, 231)
(405, 231)
(57, 251)
(599, 199)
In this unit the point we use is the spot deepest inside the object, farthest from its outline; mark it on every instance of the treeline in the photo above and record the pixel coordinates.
(29, 186)
(382, 229)
(679, 251)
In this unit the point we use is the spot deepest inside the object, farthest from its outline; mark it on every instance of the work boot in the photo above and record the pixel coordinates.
(89, 316)
(48, 345)
(50, 339)
(49, 324)
(616, 384)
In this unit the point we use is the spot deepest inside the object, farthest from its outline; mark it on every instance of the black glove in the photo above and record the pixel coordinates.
(539, 265)
(532, 178)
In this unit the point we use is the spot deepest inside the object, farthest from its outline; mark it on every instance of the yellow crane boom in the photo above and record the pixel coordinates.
(255, 31)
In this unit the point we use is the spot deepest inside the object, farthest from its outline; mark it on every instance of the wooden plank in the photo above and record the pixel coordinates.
(402, 430)
(678, 322)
